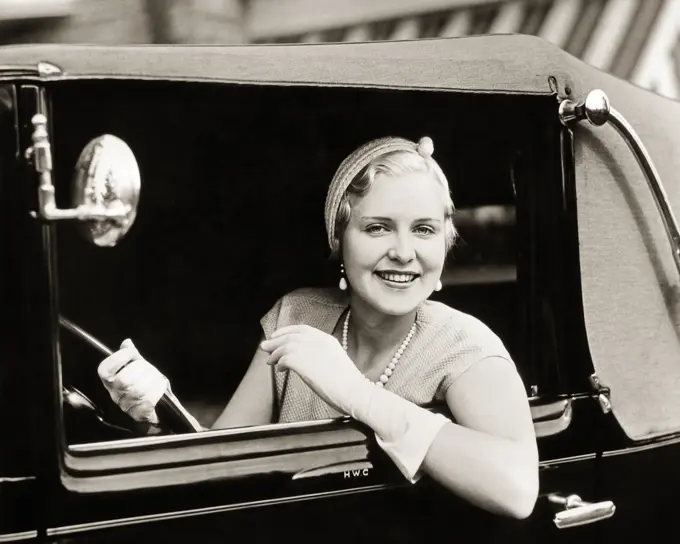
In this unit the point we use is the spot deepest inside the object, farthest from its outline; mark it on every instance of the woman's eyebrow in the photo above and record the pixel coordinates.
(418, 220)
(427, 220)
(375, 218)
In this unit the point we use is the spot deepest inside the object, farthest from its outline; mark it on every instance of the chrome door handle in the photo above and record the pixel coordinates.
(577, 512)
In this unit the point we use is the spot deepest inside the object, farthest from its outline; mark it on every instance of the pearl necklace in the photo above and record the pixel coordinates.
(385, 376)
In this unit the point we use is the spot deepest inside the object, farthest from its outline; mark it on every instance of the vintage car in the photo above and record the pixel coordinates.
(172, 194)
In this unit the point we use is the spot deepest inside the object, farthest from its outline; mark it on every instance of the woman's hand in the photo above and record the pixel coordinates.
(318, 358)
(134, 384)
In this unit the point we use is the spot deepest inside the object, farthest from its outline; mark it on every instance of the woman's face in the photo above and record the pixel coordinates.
(394, 246)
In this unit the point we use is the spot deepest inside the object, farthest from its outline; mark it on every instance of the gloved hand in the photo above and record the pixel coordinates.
(403, 430)
(133, 383)
(318, 358)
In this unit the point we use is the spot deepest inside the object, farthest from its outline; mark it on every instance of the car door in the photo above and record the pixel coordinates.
(301, 478)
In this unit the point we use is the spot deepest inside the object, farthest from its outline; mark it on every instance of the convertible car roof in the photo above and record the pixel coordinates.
(498, 64)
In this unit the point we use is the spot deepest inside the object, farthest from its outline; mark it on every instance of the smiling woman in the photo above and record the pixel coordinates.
(376, 348)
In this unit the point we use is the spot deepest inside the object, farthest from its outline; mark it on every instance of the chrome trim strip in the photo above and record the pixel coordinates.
(266, 83)
(643, 447)
(552, 463)
(117, 446)
(653, 178)
(13, 537)
(203, 511)
(14, 479)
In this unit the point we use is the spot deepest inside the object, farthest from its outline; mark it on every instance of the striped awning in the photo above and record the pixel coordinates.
(635, 40)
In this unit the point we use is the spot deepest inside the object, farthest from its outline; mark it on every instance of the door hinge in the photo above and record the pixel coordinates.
(603, 393)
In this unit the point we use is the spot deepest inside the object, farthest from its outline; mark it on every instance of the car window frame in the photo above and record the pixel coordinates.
(78, 474)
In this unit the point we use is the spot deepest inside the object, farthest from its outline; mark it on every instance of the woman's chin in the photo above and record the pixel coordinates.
(391, 299)
(400, 303)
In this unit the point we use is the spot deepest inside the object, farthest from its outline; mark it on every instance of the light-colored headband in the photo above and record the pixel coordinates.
(350, 168)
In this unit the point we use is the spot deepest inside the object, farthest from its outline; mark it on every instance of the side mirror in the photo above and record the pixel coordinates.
(107, 179)
(106, 185)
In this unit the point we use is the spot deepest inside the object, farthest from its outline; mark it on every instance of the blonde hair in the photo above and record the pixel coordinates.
(413, 158)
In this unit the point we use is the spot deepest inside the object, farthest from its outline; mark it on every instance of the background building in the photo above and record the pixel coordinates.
(637, 40)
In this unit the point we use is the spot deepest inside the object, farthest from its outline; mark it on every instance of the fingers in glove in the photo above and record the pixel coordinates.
(137, 389)
(293, 329)
(273, 344)
(285, 362)
(142, 411)
(275, 359)
(114, 363)
(127, 343)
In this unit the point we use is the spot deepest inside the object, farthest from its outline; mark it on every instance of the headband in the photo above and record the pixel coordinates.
(350, 168)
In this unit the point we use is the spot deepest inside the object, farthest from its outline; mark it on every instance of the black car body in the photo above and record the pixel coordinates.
(565, 253)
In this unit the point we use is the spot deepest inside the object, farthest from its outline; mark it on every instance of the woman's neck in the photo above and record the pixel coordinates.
(374, 332)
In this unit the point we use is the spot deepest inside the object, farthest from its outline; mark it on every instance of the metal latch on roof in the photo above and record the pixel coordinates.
(47, 69)
(603, 393)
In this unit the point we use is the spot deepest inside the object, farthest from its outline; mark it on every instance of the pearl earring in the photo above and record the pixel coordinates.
(438, 287)
(343, 281)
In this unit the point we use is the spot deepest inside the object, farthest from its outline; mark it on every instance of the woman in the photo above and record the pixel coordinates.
(377, 348)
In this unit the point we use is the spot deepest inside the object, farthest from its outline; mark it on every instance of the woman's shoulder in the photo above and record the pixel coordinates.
(454, 341)
(315, 296)
(314, 306)
(437, 313)
(455, 326)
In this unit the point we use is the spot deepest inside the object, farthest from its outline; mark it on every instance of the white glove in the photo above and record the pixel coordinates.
(133, 383)
(404, 430)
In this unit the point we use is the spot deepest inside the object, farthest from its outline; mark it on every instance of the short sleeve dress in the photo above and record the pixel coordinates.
(445, 344)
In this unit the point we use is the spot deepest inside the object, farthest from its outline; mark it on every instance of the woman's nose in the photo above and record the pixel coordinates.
(402, 250)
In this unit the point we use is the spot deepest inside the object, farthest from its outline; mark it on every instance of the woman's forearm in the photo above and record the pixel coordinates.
(497, 474)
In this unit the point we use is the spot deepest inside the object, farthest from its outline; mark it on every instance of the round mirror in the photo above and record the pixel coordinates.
(107, 180)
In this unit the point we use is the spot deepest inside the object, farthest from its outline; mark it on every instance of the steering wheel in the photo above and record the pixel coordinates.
(172, 416)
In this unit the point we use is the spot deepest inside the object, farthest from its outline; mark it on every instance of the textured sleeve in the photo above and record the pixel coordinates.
(469, 346)
(270, 320)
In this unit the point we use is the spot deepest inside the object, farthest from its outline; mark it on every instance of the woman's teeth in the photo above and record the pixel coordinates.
(397, 278)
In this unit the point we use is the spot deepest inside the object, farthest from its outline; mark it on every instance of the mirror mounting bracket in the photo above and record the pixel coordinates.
(106, 185)
(41, 155)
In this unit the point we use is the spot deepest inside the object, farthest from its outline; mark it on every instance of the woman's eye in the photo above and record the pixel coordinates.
(376, 229)
(424, 230)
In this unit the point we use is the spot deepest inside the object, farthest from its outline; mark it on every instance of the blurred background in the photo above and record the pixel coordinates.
(636, 40)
